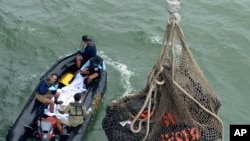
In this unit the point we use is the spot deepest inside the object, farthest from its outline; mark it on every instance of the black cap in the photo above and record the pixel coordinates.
(77, 96)
(85, 38)
(98, 59)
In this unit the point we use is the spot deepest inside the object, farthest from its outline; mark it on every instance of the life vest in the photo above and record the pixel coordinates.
(78, 109)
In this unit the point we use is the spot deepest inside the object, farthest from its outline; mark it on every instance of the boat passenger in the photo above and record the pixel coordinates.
(48, 89)
(86, 53)
(76, 112)
(92, 69)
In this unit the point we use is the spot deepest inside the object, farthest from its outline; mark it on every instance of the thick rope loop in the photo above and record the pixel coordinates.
(153, 84)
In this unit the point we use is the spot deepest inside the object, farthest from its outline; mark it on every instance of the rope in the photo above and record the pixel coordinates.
(153, 82)
(153, 79)
(201, 106)
(173, 8)
(181, 35)
(152, 85)
(60, 29)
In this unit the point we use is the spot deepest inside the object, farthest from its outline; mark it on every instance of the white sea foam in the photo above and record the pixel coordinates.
(27, 77)
(156, 39)
(124, 71)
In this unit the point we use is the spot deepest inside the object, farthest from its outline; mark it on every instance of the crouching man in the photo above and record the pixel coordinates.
(92, 69)
(76, 111)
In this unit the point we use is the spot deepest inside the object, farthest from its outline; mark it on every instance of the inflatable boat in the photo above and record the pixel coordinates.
(26, 123)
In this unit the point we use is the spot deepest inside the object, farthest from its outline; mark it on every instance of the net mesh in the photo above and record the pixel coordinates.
(177, 103)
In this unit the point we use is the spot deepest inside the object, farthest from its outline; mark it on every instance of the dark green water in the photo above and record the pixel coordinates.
(128, 34)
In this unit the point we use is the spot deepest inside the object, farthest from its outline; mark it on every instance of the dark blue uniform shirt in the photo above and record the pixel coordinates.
(43, 88)
(89, 51)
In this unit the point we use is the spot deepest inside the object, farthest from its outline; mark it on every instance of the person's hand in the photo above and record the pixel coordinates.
(62, 106)
(53, 92)
(78, 51)
(89, 110)
(78, 71)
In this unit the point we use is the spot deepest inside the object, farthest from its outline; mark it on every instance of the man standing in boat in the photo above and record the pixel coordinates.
(86, 53)
(76, 111)
(46, 90)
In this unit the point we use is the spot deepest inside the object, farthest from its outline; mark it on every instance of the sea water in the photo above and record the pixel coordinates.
(128, 35)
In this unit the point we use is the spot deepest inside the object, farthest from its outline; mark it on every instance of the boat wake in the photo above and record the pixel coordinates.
(123, 69)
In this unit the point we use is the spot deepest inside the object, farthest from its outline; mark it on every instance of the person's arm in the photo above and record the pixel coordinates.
(82, 68)
(42, 89)
(85, 112)
(64, 110)
(85, 65)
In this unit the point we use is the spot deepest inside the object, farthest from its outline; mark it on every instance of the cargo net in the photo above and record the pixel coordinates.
(177, 104)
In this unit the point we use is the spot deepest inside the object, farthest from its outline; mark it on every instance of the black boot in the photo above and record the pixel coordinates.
(58, 102)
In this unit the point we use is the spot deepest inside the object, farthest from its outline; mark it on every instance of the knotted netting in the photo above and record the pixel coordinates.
(177, 103)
